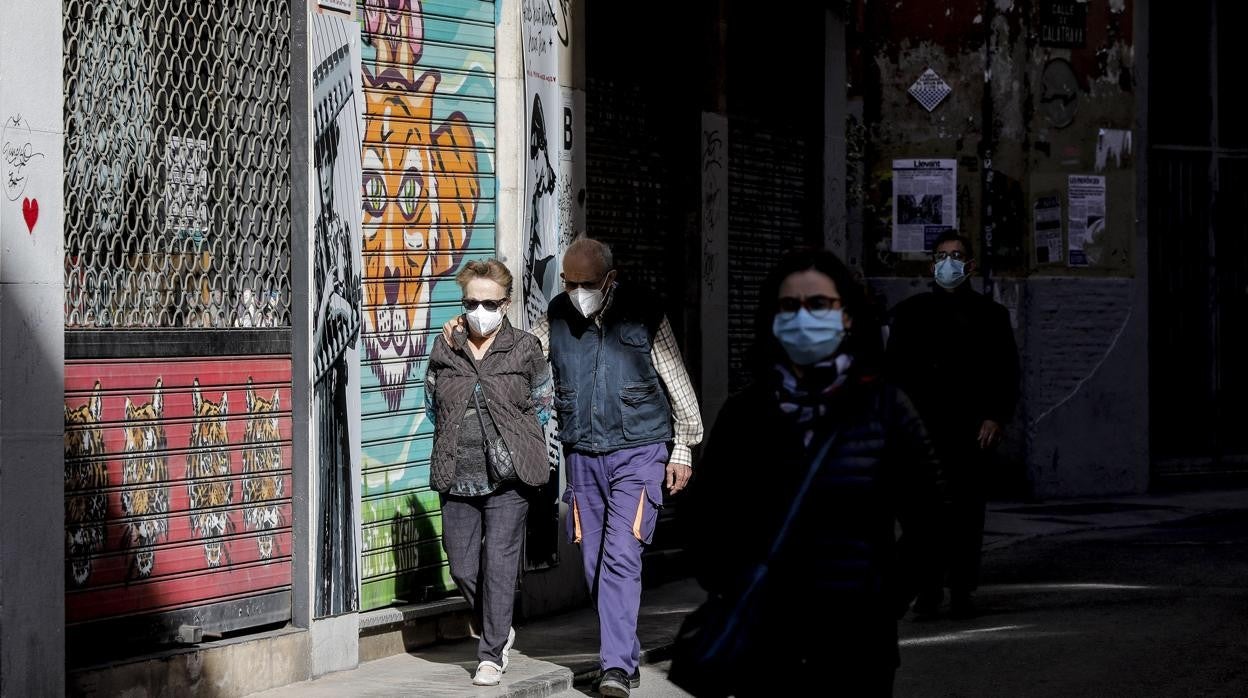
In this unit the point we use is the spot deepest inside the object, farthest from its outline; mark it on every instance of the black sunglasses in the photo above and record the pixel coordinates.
(470, 304)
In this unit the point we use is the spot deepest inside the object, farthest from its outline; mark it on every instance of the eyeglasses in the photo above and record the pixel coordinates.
(817, 305)
(956, 255)
(573, 285)
(470, 304)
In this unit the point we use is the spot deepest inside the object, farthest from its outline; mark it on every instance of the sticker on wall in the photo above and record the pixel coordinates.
(925, 202)
(930, 90)
(1086, 213)
(1048, 220)
(1059, 93)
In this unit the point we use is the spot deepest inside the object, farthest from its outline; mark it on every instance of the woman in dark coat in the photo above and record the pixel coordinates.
(490, 382)
(826, 617)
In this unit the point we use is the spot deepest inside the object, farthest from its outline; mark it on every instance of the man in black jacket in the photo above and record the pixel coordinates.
(953, 351)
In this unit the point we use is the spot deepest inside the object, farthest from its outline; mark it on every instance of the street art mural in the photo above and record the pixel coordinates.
(263, 483)
(421, 191)
(157, 452)
(544, 124)
(337, 315)
(428, 204)
(146, 465)
(209, 488)
(86, 477)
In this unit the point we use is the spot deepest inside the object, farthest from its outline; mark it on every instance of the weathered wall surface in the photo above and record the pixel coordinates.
(1062, 89)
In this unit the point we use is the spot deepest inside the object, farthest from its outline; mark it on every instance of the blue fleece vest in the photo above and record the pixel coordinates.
(607, 393)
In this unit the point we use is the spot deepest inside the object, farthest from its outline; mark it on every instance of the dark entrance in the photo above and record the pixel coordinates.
(1198, 243)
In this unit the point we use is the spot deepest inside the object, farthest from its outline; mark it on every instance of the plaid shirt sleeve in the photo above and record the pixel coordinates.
(686, 415)
(541, 330)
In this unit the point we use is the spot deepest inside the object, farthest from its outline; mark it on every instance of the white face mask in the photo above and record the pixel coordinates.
(484, 322)
(586, 300)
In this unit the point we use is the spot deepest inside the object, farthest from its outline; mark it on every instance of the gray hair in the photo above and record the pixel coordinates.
(596, 250)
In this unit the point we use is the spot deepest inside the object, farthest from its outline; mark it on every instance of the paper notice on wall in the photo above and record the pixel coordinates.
(186, 187)
(1086, 218)
(1048, 217)
(925, 202)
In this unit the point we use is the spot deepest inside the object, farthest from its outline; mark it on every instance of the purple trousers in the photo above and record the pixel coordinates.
(613, 504)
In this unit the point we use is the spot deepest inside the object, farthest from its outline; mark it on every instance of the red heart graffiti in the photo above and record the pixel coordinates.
(30, 211)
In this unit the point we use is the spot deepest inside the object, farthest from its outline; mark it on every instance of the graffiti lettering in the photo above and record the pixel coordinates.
(17, 154)
(714, 204)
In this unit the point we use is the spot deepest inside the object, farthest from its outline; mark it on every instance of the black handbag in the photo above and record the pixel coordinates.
(498, 458)
(711, 650)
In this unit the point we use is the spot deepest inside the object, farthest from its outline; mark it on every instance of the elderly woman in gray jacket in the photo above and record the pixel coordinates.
(491, 385)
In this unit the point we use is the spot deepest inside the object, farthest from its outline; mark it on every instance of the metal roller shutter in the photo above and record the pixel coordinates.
(178, 491)
(429, 204)
(767, 214)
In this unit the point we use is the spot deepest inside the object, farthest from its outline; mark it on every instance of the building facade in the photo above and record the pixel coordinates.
(230, 231)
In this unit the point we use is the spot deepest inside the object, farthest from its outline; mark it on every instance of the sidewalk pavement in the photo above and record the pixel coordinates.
(550, 655)
(1010, 523)
(553, 654)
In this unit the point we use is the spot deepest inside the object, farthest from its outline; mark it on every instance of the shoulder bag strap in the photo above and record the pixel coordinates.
(800, 496)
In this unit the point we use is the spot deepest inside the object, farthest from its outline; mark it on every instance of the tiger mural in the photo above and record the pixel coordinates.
(420, 197)
(262, 456)
(145, 474)
(209, 488)
(86, 479)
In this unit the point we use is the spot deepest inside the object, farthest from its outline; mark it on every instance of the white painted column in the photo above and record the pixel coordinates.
(510, 138)
(32, 353)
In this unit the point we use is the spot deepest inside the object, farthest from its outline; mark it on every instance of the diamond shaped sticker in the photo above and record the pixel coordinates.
(930, 89)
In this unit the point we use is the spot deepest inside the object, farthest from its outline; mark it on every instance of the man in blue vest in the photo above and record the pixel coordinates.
(627, 419)
(622, 395)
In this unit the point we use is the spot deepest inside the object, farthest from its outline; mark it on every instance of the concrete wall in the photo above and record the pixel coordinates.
(1082, 427)
(32, 301)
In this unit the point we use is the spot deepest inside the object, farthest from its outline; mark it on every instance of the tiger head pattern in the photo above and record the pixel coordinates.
(145, 474)
(263, 459)
(209, 488)
(86, 478)
(420, 193)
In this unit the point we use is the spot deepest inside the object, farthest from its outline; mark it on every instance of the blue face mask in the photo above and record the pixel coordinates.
(950, 272)
(809, 338)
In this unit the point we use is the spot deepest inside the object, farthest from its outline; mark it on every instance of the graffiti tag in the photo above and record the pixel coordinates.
(714, 204)
(18, 153)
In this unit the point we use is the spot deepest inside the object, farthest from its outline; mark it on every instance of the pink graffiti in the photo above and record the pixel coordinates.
(398, 30)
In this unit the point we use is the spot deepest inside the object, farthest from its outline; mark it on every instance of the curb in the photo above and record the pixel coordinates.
(543, 685)
(565, 678)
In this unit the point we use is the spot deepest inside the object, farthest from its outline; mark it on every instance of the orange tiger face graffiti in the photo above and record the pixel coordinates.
(420, 195)
(145, 463)
(86, 477)
(265, 459)
(207, 472)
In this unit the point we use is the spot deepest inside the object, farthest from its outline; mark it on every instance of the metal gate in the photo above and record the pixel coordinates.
(769, 213)
(429, 204)
(1198, 244)
(177, 307)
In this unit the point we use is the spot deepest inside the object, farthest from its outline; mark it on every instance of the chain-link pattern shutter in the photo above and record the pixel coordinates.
(177, 164)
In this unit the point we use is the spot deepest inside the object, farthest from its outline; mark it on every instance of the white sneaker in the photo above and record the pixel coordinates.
(511, 640)
(488, 674)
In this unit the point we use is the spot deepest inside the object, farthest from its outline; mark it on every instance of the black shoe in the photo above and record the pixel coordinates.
(962, 606)
(616, 684)
(927, 606)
